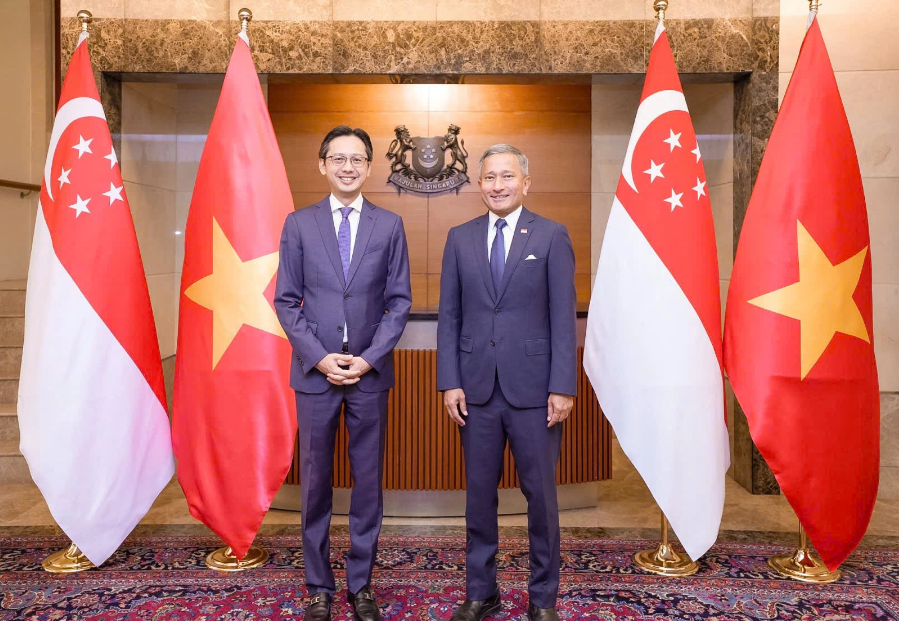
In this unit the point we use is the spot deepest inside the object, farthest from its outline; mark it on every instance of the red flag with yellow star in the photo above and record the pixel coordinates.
(234, 418)
(798, 344)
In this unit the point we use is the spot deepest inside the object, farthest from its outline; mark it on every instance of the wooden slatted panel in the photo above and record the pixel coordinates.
(423, 450)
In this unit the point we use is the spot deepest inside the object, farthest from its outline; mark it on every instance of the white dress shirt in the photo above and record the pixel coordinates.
(353, 218)
(508, 230)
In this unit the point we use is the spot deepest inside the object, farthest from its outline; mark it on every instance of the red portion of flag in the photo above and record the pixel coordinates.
(89, 220)
(812, 411)
(234, 414)
(671, 202)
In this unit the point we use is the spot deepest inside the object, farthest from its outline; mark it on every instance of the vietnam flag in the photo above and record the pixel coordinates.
(798, 330)
(234, 414)
(91, 406)
(653, 345)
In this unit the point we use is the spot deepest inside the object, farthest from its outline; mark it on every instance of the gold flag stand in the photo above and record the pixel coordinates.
(66, 561)
(803, 564)
(223, 559)
(664, 560)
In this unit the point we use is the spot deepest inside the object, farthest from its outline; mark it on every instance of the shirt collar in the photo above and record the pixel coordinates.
(336, 204)
(511, 219)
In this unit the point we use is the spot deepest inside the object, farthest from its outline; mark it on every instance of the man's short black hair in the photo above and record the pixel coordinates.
(346, 130)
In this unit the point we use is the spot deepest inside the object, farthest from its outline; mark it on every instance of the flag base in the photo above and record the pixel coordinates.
(66, 561)
(224, 560)
(804, 566)
(665, 561)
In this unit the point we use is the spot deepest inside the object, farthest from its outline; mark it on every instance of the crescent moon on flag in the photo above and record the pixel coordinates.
(650, 109)
(78, 108)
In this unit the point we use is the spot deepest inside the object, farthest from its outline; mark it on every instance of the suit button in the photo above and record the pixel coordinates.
(340, 328)
(301, 363)
(496, 312)
(346, 296)
(492, 342)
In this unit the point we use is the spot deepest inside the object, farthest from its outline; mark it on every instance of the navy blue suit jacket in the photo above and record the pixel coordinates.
(314, 302)
(526, 333)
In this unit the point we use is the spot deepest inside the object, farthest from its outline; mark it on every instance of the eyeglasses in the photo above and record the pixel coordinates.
(339, 160)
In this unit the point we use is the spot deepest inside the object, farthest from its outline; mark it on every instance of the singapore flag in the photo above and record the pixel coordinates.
(91, 407)
(653, 347)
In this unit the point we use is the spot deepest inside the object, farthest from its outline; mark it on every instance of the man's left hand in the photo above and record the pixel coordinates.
(559, 407)
(356, 369)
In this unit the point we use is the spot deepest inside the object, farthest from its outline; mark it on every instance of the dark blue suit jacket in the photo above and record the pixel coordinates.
(526, 333)
(313, 302)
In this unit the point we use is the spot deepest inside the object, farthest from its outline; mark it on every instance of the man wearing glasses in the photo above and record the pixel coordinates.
(343, 297)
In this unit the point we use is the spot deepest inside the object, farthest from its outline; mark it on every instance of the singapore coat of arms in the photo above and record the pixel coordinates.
(425, 171)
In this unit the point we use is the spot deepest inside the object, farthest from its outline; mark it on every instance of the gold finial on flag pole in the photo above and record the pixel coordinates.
(813, 5)
(244, 15)
(86, 18)
(71, 559)
(660, 7)
(803, 564)
(664, 560)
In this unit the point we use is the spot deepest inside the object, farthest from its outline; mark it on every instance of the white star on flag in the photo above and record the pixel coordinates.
(113, 160)
(655, 170)
(83, 146)
(80, 205)
(64, 177)
(696, 152)
(674, 199)
(673, 139)
(114, 194)
(700, 188)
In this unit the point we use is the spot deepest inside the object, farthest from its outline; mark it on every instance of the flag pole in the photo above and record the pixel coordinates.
(223, 559)
(663, 559)
(72, 559)
(803, 564)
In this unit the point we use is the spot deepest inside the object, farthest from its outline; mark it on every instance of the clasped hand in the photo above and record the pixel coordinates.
(331, 365)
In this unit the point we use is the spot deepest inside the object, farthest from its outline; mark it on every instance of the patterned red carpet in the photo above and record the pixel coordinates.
(164, 579)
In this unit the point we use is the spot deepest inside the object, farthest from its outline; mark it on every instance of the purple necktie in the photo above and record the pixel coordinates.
(343, 241)
(498, 255)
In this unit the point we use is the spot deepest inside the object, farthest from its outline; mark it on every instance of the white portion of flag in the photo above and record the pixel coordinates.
(659, 382)
(94, 433)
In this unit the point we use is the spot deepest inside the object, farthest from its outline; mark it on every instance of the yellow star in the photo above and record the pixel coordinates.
(821, 300)
(234, 292)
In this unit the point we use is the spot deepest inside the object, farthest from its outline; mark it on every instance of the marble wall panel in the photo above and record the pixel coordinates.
(199, 10)
(886, 335)
(889, 429)
(488, 10)
(592, 10)
(593, 47)
(384, 10)
(164, 299)
(613, 109)
(870, 100)
(860, 36)
(883, 223)
(600, 208)
(708, 45)
(106, 43)
(290, 46)
(722, 199)
(705, 9)
(178, 45)
(154, 212)
(284, 10)
(148, 154)
(712, 111)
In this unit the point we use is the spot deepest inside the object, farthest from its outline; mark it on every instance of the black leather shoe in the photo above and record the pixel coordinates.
(365, 607)
(542, 614)
(319, 608)
(476, 610)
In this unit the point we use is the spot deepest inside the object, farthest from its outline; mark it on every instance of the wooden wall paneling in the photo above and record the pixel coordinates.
(445, 212)
(351, 98)
(572, 210)
(557, 144)
(519, 98)
(423, 450)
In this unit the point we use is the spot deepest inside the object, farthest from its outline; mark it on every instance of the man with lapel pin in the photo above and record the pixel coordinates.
(507, 363)
(343, 297)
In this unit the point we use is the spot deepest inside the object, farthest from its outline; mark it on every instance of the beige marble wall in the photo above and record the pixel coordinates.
(149, 170)
(26, 48)
(864, 51)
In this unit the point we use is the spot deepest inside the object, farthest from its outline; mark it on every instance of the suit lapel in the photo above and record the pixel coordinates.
(479, 251)
(519, 241)
(326, 227)
(363, 235)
